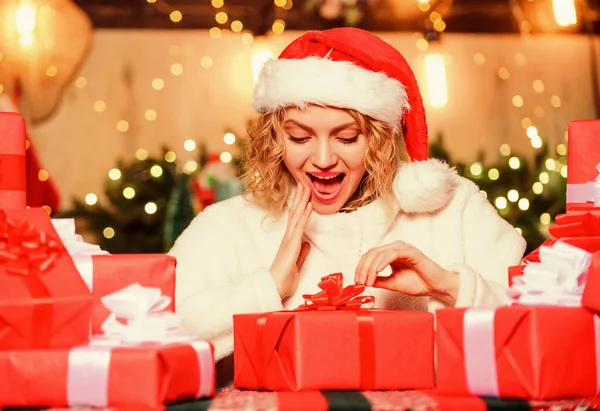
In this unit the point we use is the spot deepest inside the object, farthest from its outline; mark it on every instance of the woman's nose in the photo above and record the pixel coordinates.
(324, 155)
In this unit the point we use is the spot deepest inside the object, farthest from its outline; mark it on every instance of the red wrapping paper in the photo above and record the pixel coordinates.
(12, 162)
(39, 308)
(321, 350)
(145, 376)
(540, 352)
(583, 156)
(591, 292)
(106, 274)
(576, 224)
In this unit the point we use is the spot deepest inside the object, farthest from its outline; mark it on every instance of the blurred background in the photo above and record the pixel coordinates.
(137, 110)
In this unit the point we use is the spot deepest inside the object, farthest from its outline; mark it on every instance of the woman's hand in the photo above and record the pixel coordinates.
(413, 273)
(293, 250)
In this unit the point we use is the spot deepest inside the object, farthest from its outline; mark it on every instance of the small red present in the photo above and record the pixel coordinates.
(583, 160)
(145, 375)
(331, 343)
(104, 274)
(12, 162)
(44, 303)
(576, 224)
(537, 352)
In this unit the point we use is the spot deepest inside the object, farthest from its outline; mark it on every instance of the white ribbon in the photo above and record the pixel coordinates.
(586, 192)
(73, 242)
(558, 279)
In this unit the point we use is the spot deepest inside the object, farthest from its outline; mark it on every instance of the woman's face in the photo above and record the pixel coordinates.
(324, 151)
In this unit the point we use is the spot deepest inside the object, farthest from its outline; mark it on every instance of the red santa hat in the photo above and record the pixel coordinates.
(347, 68)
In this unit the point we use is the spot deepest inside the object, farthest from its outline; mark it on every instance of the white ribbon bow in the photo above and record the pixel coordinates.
(73, 242)
(138, 316)
(558, 279)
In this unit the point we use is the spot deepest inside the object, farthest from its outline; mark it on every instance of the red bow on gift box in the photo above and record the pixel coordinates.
(335, 296)
(24, 248)
(576, 224)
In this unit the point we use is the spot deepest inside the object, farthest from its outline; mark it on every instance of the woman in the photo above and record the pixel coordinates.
(338, 180)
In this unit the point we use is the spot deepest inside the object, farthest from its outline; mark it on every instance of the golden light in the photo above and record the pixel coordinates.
(150, 114)
(151, 1)
(537, 188)
(236, 26)
(501, 203)
(189, 145)
(176, 69)
(214, 32)
(555, 101)
(514, 163)
(43, 175)
(81, 82)
(278, 26)
(563, 171)
(505, 150)
(476, 169)
(247, 38)
(158, 84)
(526, 122)
(513, 196)
(128, 193)
(479, 58)
(517, 101)
(532, 131)
(259, 58)
(141, 154)
(221, 17)
(206, 62)
(225, 157)
(550, 164)
(435, 16)
(99, 106)
(520, 59)
(279, 3)
(91, 198)
(545, 218)
(114, 174)
(229, 138)
(538, 86)
(422, 44)
(435, 74)
(122, 126)
(503, 73)
(424, 5)
(170, 156)
(217, 4)
(176, 16)
(561, 149)
(108, 232)
(544, 177)
(536, 142)
(288, 4)
(523, 204)
(150, 208)
(156, 171)
(519, 230)
(493, 174)
(190, 166)
(439, 25)
(565, 13)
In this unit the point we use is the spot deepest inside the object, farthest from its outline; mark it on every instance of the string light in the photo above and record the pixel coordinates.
(476, 169)
(513, 195)
(538, 86)
(158, 84)
(545, 218)
(122, 126)
(217, 4)
(563, 171)
(479, 58)
(279, 3)
(422, 44)
(170, 156)
(532, 132)
(214, 32)
(225, 157)
(278, 26)
(176, 16)
(555, 101)
(517, 100)
(550, 164)
(288, 4)
(561, 149)
(81, 82)
(523, 204)
(141, 154)
(503, 73)
(190, 166)
(91, 198)
(108, 232)
(538, 188)
(176, 69)
(237, 26)
(493, 174)
(520, 59)
(150, 208)
(128, 193)
(150, 114)
(424, 5)
(247, 39)
(501, 203)
(156, 171)
(484, 193)
(544, 177)
(99, 106)
(526, 123)
(514, 163)
(43, 175)
(114, 174)
(505, 150)
(536, 142)
(229, 138)
(221, 17)
(565, 13)
(189, 145)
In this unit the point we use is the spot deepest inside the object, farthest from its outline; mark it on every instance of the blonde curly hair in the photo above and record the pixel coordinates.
(268, 182)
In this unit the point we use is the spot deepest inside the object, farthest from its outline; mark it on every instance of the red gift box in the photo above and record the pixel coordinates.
(543, 352)
(105, 274)
(12, 162)
(576, 224)
(591, 292)
(107, 376)
(44, 303)
(334, 347)
(583, 160)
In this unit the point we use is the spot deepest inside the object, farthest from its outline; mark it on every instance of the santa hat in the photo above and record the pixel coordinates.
(347, 68)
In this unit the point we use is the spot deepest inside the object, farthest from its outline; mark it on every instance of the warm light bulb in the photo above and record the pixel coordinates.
(114, 174)
(513, 195)
(435, 74)
(565, 13)
(538, 188)
(150, 208)
(91, 199)
(545, 218)
(501, 203)
(514, 163)
(493, 174)
(476, 169)
(523, 204)
(170, 156)
(189, 145)
(156, 171)
(128, 193)
(544, 177)
(229, 138)
(225, 157)
(505, 150)
(108, 232)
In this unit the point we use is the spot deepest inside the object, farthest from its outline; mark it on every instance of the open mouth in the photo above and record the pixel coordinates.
(327, 188)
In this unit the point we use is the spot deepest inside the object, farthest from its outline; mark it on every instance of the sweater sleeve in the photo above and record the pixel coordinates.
(490, 246)
(212, 285)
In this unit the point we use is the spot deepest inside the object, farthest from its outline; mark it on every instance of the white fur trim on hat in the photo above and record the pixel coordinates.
(315, 80)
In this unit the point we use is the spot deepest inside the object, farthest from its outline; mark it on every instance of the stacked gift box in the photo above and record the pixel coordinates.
(81, 327)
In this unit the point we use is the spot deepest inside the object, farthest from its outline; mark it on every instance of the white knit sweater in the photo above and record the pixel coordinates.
(223, 257)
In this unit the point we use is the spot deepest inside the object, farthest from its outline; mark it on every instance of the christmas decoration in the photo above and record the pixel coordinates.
(527, 193)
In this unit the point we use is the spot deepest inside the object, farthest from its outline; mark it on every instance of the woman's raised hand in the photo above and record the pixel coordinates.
(293, 250)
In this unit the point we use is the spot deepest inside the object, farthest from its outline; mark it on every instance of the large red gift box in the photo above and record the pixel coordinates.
(12, 162)
(147, 375)
(105, 274)
(583, 160)
(536, 352)
(44, 303)
(591, 292)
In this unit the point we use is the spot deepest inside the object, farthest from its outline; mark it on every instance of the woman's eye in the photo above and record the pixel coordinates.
(298, 140)
(349, 140)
